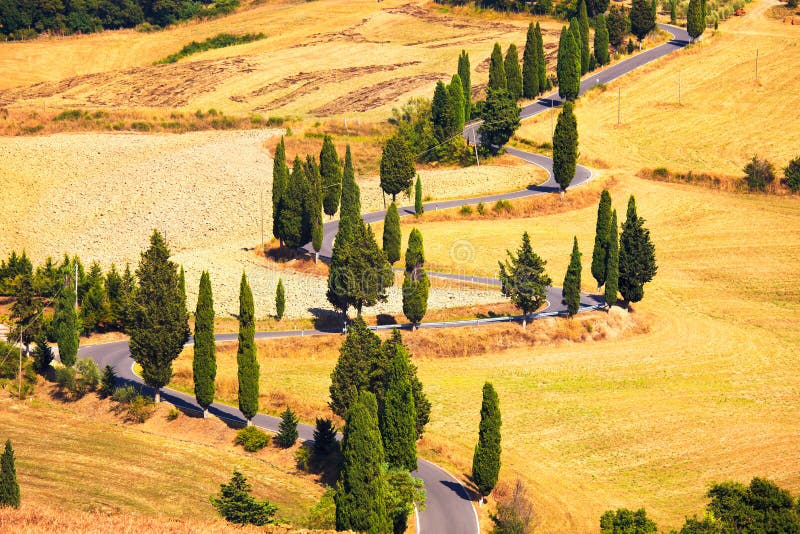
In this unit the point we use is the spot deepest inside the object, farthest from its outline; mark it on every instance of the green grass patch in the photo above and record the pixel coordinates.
(221, 40)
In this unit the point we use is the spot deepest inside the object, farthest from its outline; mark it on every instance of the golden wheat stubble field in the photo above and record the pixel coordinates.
(339, 57)
(725, 116)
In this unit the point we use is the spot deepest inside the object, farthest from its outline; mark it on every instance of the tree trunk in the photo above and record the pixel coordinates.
(524, 321)
(249, 422)
(316, 256)
(158, 395)
(205, 413)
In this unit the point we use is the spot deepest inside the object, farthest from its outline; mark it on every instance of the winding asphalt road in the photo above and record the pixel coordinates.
(449, 507)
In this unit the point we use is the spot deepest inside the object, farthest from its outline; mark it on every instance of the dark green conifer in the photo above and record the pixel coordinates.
(500, 120)
(530, 65)
(643, 18)
(416, 285)
(287, 429)
(523, 279)
(161, 322)
(280, 179)
(65, 321)
(204, 364)
(455, 91)
(398, 414)
(486, 460)
(360, 348)
(600, 251)
(513, 74)
(583, 23)
(312, 210)
(601, 40)
(351, 196)
(237, 506)
(9, 487)
(391, 234)
(360, 496)
(94, 308)
(280, 300)
(419, 207)
(565, 146)
(246, 356)
(695, 19)
(295, 225)
(466, 82)
(575, 30)
(26, 312)
(572, 281)
(568, 68)
(442, 113)
(497, 70)
(113, 286)
(541, 62)
(397, 166)
(637, 256)
(612, 263)
(42, 355)
(331, 172)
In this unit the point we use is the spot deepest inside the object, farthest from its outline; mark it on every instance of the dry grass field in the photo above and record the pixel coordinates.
(341, 58)
(725, 116)
(78, 458)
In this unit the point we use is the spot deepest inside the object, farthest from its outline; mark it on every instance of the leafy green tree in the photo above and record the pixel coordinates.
(280, 180)
(643, 18)
(583, 23)
(65, 324)
(612, 263)
(565, 146)
(238, 506)
(466, 82)
(759, 173)
(497, 71)
(568, 68)
(42, 355)
(513, 74)
(204, 364)
(695, 19)
(572, 281)
(391, 234)
(486, 460)
(618, 26)
(26, 312)
(637, 256)
(331, 172)
(530, 65)
(398, 415)
(455, 91)
(419, 207)
(523, 279)
(760, 507)
(397, 166)
(361, 491)
(351, 374)
(161, 323)
(416, 285)
(404, 493)
(601, 238)
(280, 300)
(287, 429)
(624, 521)
(500, 120)
(442, 114)
(246, 355)
(9, 487)
(601, 40)
(541, 62)
(791, 175)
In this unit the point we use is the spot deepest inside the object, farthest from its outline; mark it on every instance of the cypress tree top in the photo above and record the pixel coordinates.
(351, 196)
(643, 18)
(530, 66)
(331, 173)
(572, 281)
(280, 178)
(583, 23)
(568, 68)
(415, 253)
(497, 71)
(513, 74)
(359, 349)
(541, 62)
(455, 92)
(466, 82)
(442, 113)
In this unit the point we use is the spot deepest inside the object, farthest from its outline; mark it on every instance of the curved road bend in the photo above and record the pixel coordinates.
(448, 506)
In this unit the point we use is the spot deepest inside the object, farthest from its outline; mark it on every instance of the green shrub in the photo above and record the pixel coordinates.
(323, 515)
(502, 205)
(70, 115)
(758, 174)
(304, 458)
(480, 208)
(275, 121)
(65, 378)
(88, 374)
(124, 394)
(791, 175)
(660, 173)
(465, 210)
(141, 126)
(140, 408)
(108, 381)
(173, 414)
(236, 505)
(252, 439)
(221, 40)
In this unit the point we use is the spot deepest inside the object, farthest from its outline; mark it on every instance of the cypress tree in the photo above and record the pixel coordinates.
(398, 414)
(419, 207)
(331, 173)
(612, 263)
(9, 487)
(575, 30)
(182, 285)
(486, 460)
(643, 18)
(442, 113)
(572, 281)
(360, 496)
(127, 298)
(601, 40)
(94, 309)
(287, 429)
(161, 323)
(65, 319)
(42, 355)
(351, 196)
(513, 74)
(523, 280)
(246, 358)
(456, 93)
(397, 166)
(530, 65)
(312, 217)
(601, 233)
(295, 224)
(500, 120)
(466, 82)
(113, 285)
(673, 11)
(204, 364)
(280, 300)
(280, 178)
(26, 311)
(695, 21)
(416, 285)
(568, 68)
(583, 22)
(637, 256)
(541, 62)
(360, 348)
(391, 234)
(497, 71)
(565, 146)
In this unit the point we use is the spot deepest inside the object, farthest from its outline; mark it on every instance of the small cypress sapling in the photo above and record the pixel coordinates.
(204, 363)
(108, 381)
(42, 355)
(601, 233)
(572, 281)
(391, 234)
(324, 438)
(287, 429)
(237, 506)
(419, 208)
(486, 460)
(530, 66)
(612, 263)
(513, 74)
(497, 71)
(9, 487)
(791, 175)
(565, 146)
(280, 300)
